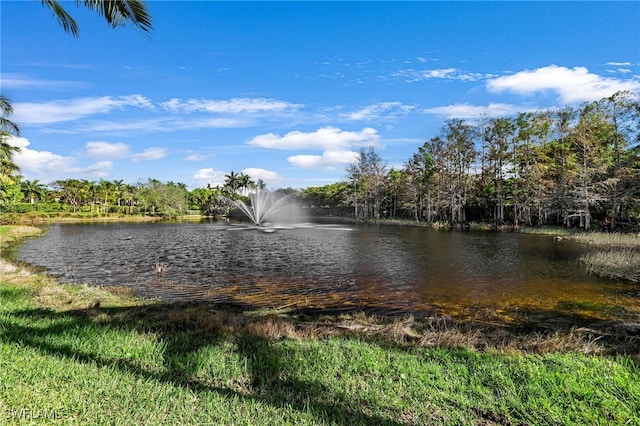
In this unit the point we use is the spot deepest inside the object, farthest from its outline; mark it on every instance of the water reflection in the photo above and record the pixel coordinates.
(390, 269)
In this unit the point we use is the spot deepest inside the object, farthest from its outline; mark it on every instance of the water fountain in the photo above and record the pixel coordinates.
(271, 210)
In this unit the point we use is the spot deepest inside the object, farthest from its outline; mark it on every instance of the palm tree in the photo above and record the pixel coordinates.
(118, 189)
(106, 188)
(245, 183)
(260, 185)
(117, 13)
(7, 126)
(232, 181)
(33, 190)
(8, 168)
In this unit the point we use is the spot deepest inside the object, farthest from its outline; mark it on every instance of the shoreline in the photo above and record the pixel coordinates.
(16, 219)
(478, 333)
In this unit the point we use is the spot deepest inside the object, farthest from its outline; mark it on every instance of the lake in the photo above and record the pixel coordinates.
(386, 269)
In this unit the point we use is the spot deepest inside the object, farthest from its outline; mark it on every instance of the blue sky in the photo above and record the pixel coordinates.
(289, 92)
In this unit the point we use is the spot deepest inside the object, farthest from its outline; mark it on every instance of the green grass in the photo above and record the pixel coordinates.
(110, 367)
(35, 218)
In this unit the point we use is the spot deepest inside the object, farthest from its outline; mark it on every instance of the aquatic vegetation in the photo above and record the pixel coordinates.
(614, 263)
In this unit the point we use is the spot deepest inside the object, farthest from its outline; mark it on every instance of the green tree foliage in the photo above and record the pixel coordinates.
(497, 162)
(575, 167)
(459, 155)
(620, 188)
(211, 201)
(162, 199)
(366, 180)
(73, 192)
(328, 200)
(32, 190)
(9, 195)
(419, 172)
(9, 170)
(233, 182)
(7, 126)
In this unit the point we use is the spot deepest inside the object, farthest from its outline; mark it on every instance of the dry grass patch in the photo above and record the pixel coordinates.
(615, 239)
(614, 263)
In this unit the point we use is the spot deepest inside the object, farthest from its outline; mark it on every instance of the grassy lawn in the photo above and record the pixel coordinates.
(82, 355)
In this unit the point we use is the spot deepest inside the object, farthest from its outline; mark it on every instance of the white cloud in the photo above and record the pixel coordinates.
(233, 106)
(18, 141)
(176, 114)
(103, 150)
(334, 142)
(47, 166)
(620, 71)
(74, 109)
(39, 162)
(439, 73)
(192, 156)
(157, 125)
(384, 110)
(465, 111)
(325, 138)
(202, 177)
(328, 160)
(210, 123)
(267, 176)
(100, 169)
(413, 75)
(570, 84)
(18, 81)
(153, 153)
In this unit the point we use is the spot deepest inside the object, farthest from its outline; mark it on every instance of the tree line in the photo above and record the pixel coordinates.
(574, 167)
(150, 198)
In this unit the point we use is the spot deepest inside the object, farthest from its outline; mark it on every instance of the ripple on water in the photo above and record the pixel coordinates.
(391, 269)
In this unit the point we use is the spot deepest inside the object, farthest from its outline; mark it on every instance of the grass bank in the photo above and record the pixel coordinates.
(84, 355)
(36, 218)
(615, 255)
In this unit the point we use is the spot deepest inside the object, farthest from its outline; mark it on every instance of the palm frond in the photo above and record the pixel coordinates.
(118, 12)
(9, 126)
(63, 17)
